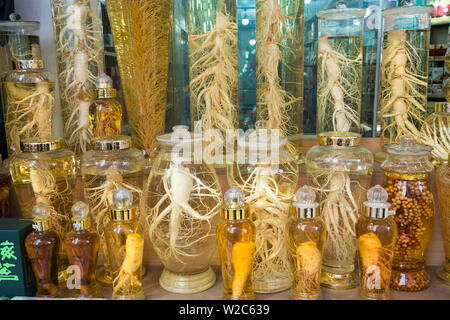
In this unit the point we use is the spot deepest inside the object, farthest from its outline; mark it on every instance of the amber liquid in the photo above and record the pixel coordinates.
(413, 203)
(237, 238)
(443, 186)
(4, 195)
(106, 117)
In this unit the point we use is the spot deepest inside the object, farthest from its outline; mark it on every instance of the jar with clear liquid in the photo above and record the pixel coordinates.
(443, 186)
(404, 71)
(339, 68)
(339, 170)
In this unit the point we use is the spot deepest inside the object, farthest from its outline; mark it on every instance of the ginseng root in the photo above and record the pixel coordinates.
(437, 136)
(242, 260)
(308, 262)
(127, 281)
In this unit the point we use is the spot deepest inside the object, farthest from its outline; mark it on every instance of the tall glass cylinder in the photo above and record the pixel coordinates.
(141, 30)
(213, 67)
(443, 185)
(279, 72)
(339, 69)
(404, 73)
(79, 60)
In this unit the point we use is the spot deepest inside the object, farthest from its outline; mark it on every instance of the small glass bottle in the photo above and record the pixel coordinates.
(82, 244)
(42, 247)
(443, 187)
(125, 243)
(306, 238)
(106, 111)
(5, 188)
(236, 242)
(376, 232)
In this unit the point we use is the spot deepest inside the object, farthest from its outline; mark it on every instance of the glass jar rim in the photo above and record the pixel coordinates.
(19, 26)
(184, 136)
(113, 142)
(41, 144)
(341, 13)
(339, 139)
(407, 10)
(407, 147)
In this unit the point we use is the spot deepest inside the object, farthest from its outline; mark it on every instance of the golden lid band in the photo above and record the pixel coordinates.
(40, 145)
(105, 93)
(28, 64)
(235, 214)
(42, 225)
(339, 139)
(306, 213)
(81, 223)
(111, 143)
(123, 214)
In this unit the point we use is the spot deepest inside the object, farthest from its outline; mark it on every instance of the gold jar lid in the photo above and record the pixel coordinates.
(234, 207)
(80, 216)
(339, 139)
(123, 214)
(28, 64)
(40, 144)
(115, 142)
(305, 203)
(123, 208)
(234, 213)
(104, 87)
(105, 93)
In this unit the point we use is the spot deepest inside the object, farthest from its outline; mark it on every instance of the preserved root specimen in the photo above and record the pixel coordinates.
(404, 87)
(242, 260)
(79, 53)
(182, 217)
(276, 105)
(141, 37)
(436, 134)
(376, 262)
(127, 282)
(308, 263)
(339, 83)
(4, 194)
(214, 75)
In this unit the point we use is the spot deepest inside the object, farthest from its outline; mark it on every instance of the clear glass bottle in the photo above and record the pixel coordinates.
(376, 232)
(5, 189)
(339, 75)
(106, 111)
(28, 94)
(110, 165)
(45, 172)
(435, 132)
(404, 71)
(443, 186)
(279, 69)
(236, 243)
(268, 182)
(82, 244)
(183, 204)
(43, 246)
(306, 241)
(125, 243)
(407, 169)
(339, 170)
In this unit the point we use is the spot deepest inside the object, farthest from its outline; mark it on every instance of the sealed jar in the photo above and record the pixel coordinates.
(443, 186)
(268, 175)
(5, 189)
(339, 169)
(182, 213)
(28, 97)
(339, 65)
(407, 170)
(111, 164)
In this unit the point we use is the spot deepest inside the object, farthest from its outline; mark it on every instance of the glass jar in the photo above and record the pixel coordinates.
(183, 204)
(268, 182)
(28, 94)
(407, 170)
(78, 40)
(236, 243)
(443, 185)
(339, 169)
(306, 241)
(112, 164)
(125, 243)
(404, 71)
(5, 189)
(435, 132)
(339, 75)
(377, 232)
(279, 69)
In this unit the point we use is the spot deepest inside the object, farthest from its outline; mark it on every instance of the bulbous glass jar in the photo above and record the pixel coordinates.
(182, 213)
(269, 185)
(443, 186)
(110, 165)
(407, 170)
(339, 169)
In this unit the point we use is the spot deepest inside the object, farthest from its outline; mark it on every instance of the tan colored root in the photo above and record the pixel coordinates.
(275, 104)
(308, 261)
(437, 136)
(181, 219)
(339, 87)
(79, 51)
(141, 31)
(404, 89)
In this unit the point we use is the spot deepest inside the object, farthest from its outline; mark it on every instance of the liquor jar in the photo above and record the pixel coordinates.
(5, 188)
(268, 180)
(183, 204)
(111, 164)
(306, 240)
(407, 169)
(443, 186)
(236, 242)
(376, 232)
(339, 169)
